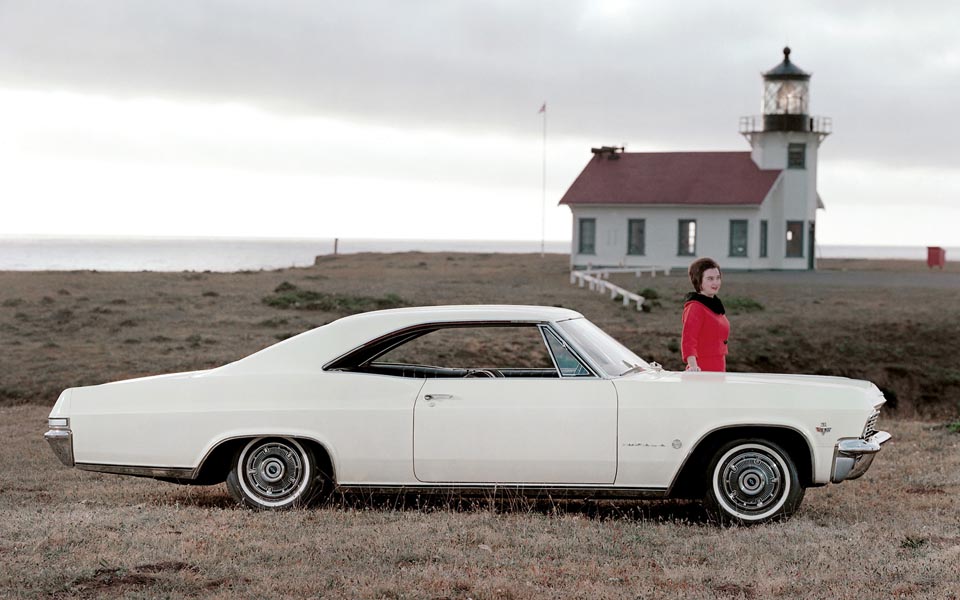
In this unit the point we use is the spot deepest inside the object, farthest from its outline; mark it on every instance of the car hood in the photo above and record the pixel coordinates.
(773, 380)
(785, 378)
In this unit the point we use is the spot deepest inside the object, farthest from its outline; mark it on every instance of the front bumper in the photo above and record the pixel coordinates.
(852, 458)
(61, 440)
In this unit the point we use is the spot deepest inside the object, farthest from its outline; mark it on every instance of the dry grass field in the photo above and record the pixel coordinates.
(66, 533)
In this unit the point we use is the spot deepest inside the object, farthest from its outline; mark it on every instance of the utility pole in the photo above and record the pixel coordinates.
(543, 191)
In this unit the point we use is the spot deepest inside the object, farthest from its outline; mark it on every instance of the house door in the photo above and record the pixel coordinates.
(811, 257)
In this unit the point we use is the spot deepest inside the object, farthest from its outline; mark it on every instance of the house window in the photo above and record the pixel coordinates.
(636, 236)
(738, 237)
(763, 238)
(687, 242)
(588, 236)
(797, 156)
(794, 239)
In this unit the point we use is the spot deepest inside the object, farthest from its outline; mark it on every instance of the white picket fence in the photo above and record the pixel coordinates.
(597, 282)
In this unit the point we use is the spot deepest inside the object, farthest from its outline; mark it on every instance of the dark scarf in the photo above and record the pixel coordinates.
(713, 304)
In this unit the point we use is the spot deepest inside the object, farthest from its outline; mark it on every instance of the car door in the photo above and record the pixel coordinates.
(504, 430)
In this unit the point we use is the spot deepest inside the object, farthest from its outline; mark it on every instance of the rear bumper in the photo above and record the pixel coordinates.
(61, 441)
(852, 458)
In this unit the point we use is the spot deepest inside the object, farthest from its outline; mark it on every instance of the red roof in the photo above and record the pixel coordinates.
(700, 178)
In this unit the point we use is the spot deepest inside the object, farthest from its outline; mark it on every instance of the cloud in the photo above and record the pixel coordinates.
(673, 75)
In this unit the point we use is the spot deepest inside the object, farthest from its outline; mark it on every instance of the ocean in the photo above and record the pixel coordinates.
(235, 254)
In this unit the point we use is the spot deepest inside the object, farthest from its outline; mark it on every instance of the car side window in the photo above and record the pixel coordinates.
(504, 351)
(567, 362)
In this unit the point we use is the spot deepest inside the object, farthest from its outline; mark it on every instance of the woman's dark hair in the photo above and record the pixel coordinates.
(697, 268)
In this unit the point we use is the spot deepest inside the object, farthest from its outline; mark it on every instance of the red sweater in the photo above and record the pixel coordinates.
(705, 336)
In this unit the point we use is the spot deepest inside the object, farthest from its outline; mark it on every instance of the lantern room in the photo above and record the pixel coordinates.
(786, 97)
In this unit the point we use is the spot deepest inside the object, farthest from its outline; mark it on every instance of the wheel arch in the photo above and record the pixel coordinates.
(689, 482)
(216, 464)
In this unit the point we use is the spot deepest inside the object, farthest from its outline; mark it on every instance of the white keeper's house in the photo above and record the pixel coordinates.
(747, 210)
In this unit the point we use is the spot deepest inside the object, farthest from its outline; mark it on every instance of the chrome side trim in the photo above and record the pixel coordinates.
(193, 472)
(556, 491)
(402, 334)
(693, 448)
(432, 326)
(61, 441)
(222, 441)
(168, 472)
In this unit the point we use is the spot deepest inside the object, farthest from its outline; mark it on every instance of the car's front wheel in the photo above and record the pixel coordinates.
(752, 481)
(274, 473)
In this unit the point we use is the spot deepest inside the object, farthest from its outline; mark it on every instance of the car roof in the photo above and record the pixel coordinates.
(316, 347)
(467, 312)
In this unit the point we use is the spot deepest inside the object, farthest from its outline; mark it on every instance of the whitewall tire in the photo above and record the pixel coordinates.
(274, 473)
(752, 481)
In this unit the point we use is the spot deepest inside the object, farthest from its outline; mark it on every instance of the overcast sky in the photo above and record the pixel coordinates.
(406, 119)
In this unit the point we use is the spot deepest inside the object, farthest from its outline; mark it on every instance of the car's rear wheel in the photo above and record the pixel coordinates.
(274, 473)
(752, 481)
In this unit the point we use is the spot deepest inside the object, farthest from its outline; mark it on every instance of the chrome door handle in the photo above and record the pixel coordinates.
(438, 397)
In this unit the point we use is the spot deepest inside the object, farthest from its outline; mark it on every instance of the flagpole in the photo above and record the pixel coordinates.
(543, 191)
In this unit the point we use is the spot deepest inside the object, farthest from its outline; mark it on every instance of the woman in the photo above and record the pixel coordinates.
(703, 342)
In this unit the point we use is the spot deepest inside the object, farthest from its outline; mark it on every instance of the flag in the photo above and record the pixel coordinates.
(543, 108)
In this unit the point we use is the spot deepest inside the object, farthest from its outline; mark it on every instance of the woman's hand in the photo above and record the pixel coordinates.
(692, 364)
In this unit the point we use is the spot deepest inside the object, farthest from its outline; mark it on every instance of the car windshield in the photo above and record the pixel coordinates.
(604, 351)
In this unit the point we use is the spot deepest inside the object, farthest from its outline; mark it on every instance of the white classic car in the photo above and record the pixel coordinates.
(475, 398)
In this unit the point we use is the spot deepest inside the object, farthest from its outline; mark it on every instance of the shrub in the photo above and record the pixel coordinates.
(197, 340)
(741, 304)
(10, 396)
(287, 295)
(63, 316)
(274, 322)
(954, 427)
(649, 293)
(913, 542)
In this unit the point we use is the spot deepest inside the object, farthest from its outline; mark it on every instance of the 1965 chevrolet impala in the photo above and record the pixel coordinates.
(467, 398)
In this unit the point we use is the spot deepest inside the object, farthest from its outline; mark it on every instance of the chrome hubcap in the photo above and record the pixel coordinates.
(752, 481)
(274, 470)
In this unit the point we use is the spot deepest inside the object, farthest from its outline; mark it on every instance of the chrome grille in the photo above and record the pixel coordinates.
(871, 427)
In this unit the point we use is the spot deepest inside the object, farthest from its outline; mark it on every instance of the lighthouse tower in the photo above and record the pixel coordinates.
(786, 137)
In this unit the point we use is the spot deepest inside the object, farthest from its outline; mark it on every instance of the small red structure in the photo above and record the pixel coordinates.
(936, 256)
